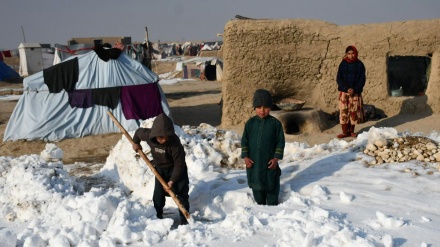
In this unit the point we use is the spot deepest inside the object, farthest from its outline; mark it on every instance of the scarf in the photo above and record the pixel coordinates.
(355, 58)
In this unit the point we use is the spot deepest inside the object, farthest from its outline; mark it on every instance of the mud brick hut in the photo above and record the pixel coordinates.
(298, 58)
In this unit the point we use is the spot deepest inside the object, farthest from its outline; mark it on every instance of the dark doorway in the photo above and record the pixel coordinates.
(210, 72)
(408, 73)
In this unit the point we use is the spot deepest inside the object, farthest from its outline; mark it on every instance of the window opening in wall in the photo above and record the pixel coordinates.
(408, 75)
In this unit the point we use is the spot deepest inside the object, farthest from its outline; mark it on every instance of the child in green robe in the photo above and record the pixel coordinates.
(262, 146)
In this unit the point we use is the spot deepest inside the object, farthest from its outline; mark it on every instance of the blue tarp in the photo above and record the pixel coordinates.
(40, 115)
(7, 73)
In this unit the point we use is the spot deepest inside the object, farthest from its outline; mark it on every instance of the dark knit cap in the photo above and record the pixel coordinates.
(262, 97)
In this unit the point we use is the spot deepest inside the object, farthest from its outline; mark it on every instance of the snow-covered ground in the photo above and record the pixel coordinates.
(329, 197)
(9, 97)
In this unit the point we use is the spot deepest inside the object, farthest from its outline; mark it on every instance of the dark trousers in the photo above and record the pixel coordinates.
(180, 188)
(270, 197)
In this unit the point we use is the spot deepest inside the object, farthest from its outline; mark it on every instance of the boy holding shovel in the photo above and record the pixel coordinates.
(169, 161)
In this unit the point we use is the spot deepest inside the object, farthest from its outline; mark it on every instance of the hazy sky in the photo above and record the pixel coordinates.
(57, 21)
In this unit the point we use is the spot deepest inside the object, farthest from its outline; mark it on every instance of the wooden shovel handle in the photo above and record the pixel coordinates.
(153, 169)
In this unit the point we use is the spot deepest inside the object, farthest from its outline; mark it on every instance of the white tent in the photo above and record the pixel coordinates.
(219, 70)
(40, 114)
(212, 66)
(31, 58)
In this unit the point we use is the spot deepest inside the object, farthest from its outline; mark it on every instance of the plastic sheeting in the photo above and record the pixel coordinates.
(48, 116)
(7, 72)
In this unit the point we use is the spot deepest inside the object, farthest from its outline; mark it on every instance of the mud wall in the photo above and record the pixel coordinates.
(299, 58)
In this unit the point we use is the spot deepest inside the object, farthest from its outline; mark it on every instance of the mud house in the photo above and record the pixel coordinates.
(99, 40)
(299, 58)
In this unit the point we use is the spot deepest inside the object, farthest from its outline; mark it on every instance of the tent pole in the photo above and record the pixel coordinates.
(153, 169)
(147, 52)
(24, 37)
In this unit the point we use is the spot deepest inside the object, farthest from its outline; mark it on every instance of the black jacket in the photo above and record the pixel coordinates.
(168, 155)
(351, 75)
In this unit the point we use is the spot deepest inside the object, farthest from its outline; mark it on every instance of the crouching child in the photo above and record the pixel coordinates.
(169, 161)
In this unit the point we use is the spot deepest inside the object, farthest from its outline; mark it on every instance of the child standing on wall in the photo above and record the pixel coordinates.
(262, 146)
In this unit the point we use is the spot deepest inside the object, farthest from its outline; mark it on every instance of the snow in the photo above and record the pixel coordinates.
(169, 79)
(9, 97)
(329, 197)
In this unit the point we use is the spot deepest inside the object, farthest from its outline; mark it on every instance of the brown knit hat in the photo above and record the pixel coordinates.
(262, 97)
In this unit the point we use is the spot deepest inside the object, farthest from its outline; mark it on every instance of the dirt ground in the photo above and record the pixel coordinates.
(191, 103)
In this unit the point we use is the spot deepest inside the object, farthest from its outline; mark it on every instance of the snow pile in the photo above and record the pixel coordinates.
(329, 197)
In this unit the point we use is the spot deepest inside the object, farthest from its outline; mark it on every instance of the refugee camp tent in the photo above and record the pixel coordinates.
(168, 49)
(212, 67)
(214, 70)
(219, 70)
(31, 58)
(156, 51)
(7, 73)
(62, 52)
(48, 53)
(71, 99)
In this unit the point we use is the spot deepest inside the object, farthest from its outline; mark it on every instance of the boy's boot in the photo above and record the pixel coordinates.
(183, 220)
(345, 131)
(352, 131)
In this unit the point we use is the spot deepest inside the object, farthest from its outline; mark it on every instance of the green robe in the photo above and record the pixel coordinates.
(263, 140)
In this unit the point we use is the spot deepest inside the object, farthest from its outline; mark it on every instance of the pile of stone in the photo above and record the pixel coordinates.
(403, 149)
